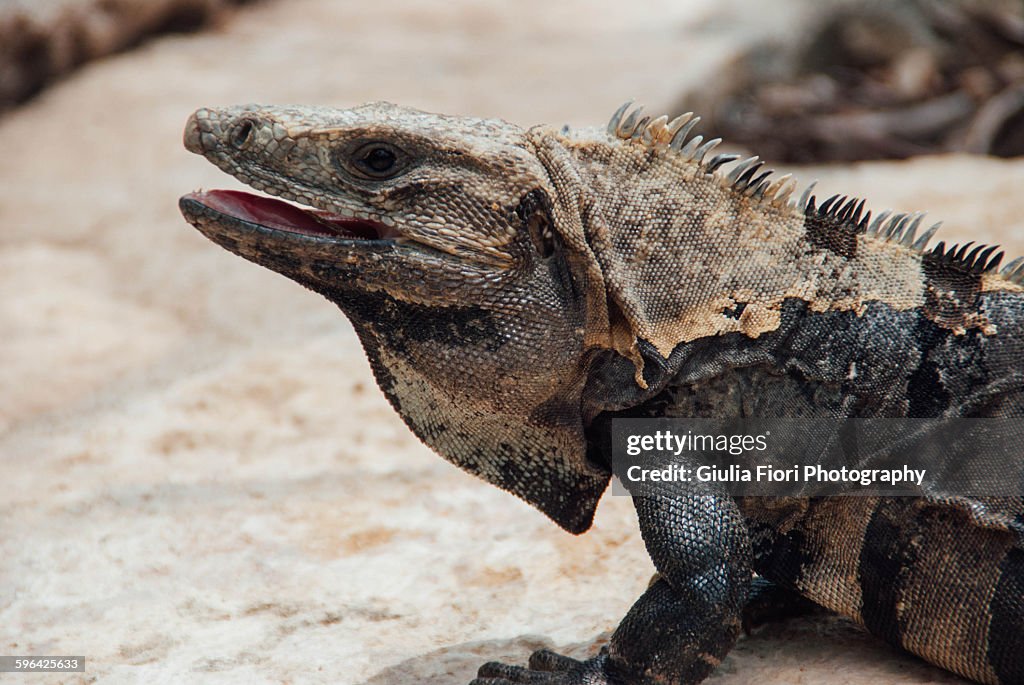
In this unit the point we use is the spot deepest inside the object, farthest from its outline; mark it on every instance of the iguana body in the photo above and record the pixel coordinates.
(516, 290)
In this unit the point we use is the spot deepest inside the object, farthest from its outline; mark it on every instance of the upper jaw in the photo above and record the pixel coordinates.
(214, 134)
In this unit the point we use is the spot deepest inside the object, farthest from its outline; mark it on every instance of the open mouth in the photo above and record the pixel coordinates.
(278, 215)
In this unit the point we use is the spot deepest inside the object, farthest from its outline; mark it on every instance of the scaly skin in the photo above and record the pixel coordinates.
(515, 290)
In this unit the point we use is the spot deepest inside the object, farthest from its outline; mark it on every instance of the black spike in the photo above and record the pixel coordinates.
(994, 263)
(840, 212)
(760, 178)
(827, 205)
(962, 252)
(970, 258)
(719, 160)
(844, 212)
(963, 258)
(980, 263)
(865, 222)
(744, 180)
(858, 209)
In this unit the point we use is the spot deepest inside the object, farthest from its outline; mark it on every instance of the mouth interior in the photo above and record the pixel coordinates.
(282, 216)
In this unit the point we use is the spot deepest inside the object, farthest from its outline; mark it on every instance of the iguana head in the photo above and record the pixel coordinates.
(435, 236)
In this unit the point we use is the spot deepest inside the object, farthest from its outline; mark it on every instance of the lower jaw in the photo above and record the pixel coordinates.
(278, 215)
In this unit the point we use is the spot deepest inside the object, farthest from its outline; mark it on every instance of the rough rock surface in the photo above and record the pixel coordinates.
(201, 482)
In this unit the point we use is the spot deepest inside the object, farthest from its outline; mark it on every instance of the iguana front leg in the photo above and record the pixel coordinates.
(684, 624)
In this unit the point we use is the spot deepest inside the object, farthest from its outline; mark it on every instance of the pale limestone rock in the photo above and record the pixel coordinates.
(201, 481)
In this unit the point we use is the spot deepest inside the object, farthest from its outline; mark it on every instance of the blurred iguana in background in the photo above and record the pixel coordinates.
(877, 79)
(42, 40)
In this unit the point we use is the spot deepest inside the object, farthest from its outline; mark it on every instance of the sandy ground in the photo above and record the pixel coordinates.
(201, 481)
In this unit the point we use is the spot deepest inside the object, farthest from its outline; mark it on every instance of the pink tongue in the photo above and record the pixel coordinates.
(264, 211)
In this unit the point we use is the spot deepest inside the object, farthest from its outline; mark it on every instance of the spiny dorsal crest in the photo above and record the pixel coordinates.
(841, 215)
(977, 261)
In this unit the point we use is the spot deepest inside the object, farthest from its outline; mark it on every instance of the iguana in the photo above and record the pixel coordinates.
(515, 290)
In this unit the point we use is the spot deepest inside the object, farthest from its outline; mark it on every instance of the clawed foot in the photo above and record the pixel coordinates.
(546, 668)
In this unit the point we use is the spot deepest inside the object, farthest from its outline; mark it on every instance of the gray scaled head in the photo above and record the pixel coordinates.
(435, 236)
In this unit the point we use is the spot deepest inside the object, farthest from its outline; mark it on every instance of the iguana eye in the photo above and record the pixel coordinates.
(380, 159)
(377, 161)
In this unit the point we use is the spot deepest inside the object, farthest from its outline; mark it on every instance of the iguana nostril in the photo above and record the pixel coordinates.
(242, 133)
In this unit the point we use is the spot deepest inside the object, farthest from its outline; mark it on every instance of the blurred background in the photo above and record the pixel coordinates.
(202, 481)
